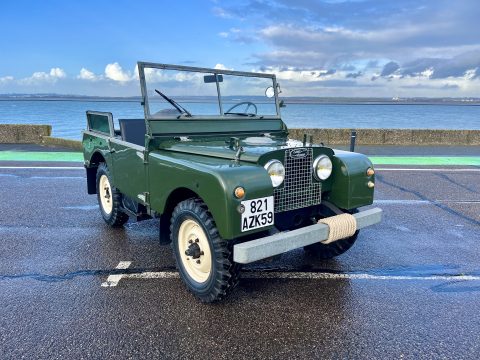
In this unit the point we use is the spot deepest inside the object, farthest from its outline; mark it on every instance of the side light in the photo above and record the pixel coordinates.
(370, 171)
(371, 184)
(239, 192)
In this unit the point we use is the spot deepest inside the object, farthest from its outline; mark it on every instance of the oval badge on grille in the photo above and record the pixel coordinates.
(298, 153)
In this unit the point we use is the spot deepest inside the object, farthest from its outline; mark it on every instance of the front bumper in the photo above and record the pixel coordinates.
(280, 243)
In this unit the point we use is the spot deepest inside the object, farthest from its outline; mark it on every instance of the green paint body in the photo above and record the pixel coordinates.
(206, 166)
(209, 156)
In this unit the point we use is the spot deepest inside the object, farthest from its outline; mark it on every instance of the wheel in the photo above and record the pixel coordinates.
(109, 198)
(328, 251)
(204, 260)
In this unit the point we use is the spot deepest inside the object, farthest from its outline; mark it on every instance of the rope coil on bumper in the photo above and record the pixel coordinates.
(340, 227)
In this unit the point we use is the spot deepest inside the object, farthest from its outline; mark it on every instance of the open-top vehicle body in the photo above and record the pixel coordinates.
(212, 160)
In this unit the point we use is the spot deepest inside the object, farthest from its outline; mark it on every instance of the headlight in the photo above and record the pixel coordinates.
(322, 167)
(276, 171)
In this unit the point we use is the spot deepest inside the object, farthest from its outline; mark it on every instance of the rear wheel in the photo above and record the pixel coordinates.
(328, 251)
(109, 198)
(204, 260)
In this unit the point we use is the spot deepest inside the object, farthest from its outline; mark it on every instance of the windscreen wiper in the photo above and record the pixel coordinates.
(172, 102)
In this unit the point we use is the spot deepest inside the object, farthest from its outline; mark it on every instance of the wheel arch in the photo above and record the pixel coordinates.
(96, 159)
(176, 196)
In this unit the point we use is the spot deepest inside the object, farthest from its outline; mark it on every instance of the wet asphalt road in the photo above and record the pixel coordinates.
(55, 252)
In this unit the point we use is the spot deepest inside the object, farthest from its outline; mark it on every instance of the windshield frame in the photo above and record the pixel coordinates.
(143, 86)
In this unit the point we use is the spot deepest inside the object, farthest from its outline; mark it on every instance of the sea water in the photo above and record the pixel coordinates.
(68, 117)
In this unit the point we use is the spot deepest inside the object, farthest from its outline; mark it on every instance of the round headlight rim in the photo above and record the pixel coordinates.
(315, 163)
(270, 163)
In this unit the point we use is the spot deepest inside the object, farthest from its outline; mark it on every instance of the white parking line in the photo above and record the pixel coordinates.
(81, 207)
(44, 167)
(422, 202)
(429, 169)
(309, 276)
(113, 280)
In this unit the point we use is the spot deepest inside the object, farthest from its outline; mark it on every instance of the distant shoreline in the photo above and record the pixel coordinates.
(288, 101)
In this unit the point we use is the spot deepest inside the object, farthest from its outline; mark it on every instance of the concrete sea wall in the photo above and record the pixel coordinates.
(402, 137)
(41, 134)
(23, 134)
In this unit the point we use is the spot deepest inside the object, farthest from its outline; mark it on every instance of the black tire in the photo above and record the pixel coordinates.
(336, 248)
(223, 274)
(114, 217)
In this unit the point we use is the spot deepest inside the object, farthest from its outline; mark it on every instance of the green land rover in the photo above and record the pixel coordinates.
(212, 161)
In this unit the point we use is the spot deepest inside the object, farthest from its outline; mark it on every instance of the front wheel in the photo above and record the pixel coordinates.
(204, 260)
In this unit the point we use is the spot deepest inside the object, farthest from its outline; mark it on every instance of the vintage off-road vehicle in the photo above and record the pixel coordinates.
(217, 168)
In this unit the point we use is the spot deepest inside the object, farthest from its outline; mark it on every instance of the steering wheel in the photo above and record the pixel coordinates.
(245, 112)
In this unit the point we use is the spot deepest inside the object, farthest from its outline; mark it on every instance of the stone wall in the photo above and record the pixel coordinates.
(400, 137)
(23, 134)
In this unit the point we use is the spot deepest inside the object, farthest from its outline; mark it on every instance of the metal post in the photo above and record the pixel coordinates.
(353, 136)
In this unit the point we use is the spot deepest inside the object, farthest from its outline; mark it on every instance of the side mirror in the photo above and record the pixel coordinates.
(269, 92)
(282, 104)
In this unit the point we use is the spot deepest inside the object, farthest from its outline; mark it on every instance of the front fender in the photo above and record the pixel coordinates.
(213, 179)
(349, 180)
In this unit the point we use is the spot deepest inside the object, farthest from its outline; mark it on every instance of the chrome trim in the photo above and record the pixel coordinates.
(315, 163)
(298, 190)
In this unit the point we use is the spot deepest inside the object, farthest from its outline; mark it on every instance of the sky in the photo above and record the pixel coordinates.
(355, 48)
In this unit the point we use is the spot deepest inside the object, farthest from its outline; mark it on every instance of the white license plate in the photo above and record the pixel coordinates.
(258, 213)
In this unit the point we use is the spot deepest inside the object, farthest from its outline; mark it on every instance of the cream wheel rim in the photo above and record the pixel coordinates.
(105, 194)
(194, 251)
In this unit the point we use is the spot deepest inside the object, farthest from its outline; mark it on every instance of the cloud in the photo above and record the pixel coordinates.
(115, 72)
(389, 45)
(222, 13)
(353, 75)
(323, 73)
(238, 36)
(57, 73)
(389, 68)
(221, 67)
(462, 65)
(39, 77)
(87, 75)
(338, 31)
(6, 79)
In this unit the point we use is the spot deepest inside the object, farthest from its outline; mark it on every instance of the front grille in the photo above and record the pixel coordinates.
(298, 190)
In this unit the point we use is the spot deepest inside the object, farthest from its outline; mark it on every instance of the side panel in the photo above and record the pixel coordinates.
(95, 143)
(129, 169)
(349, 180)
(210, 125)
(214, 180)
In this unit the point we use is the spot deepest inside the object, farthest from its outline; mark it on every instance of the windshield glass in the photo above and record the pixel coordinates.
(183, 93)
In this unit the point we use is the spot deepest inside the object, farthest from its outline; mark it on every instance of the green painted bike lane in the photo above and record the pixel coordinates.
(377, 160)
